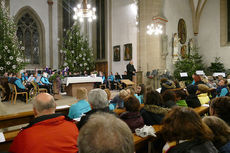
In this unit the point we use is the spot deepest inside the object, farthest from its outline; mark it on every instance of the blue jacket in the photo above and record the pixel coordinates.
(111, 78)
(18, 83)
(103, 79)
(222, 91)
(79, 108)
(24, 78)
(45, 80)
(140, 98)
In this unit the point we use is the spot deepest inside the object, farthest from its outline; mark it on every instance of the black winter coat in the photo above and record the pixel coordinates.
(195, 146)
(192, 101)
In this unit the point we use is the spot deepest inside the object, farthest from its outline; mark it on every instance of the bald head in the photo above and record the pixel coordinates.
(44, 104)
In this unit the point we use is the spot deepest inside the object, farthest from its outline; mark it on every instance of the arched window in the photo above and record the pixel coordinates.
(29, 36)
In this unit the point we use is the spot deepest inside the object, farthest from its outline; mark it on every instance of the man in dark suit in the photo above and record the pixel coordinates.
(130, 70)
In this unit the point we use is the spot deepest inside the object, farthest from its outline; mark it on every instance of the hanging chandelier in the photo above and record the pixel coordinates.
(83, 11)
(157, 26)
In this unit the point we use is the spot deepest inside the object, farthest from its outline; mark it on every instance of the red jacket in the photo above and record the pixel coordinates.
(47, 134)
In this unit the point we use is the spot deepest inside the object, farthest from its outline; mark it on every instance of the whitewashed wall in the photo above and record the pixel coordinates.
(41, 8)
(209, 35)
(173, 10)
(124, 30)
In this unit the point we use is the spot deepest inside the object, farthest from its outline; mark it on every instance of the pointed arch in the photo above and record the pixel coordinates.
(41, 32)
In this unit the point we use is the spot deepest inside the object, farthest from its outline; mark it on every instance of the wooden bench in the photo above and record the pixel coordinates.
(200, 110)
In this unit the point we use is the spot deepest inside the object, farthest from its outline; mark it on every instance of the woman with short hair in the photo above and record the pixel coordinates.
(132, 115)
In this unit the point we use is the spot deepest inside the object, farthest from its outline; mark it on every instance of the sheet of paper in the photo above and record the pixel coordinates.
(2, 137)
(200, 72)
(184, 74)
(63, 106)
(219, 73)
(206, 105)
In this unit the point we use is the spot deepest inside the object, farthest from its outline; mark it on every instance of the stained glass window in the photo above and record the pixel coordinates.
(29, 36)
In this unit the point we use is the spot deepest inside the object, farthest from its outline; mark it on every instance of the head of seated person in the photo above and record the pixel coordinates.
(105, 126)
(130, 90)
(193, 129)
(220, 130)
(140, 90)
(98, 99)
(220, 107)
(43, 104)
(131, 104)
(202, 88)
(169, 98)
(153, 98)
(81, 94)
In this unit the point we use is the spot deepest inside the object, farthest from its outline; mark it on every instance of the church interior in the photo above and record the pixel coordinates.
(158, 65)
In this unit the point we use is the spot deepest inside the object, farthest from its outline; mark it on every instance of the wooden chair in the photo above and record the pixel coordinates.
(15, 93)
(11, 96)
(39, 90)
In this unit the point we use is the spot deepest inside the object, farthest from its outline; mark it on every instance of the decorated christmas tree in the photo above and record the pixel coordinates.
(190, 64)
(78, 56)
(11, 52)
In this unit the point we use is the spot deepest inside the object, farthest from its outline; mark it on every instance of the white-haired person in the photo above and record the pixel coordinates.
(82, 106)
(98, 100)
(105, 133)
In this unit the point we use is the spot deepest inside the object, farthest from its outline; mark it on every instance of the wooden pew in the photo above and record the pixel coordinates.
(200, 110)
(18, 119)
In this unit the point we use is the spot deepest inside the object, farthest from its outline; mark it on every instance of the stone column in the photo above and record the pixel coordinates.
(50, 10)
(60, 31)
(150, 47)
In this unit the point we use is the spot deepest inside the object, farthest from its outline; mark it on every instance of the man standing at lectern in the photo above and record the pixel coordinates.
(130, 70)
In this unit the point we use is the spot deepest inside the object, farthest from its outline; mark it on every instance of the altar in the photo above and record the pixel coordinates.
(72, 83)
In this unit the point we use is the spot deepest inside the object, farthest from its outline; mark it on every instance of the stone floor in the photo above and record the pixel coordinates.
(8, 108)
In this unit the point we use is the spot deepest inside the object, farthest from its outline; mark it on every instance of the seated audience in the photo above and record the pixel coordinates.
(220, 107)
(82, 106)
(111, 106)
(132, 115)
(192, 99)
(105, 133)
(19, 85)
(125, 76)
(222, 89)
(153, 111)
(180, 98)
(140, 92)
(118, 100)
(203, 94)
(12, 78)
(111, 81)
(169, 98)
(45, 82)
(197, 80)
(193, 137)
(166, 84)
(211, 83)
(98, 100)
(117, 77)
(130, 90)
(221, 133)
(48, 132)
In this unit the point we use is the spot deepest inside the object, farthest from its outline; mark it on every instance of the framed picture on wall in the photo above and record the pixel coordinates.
(116, 53)
(128, 52)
